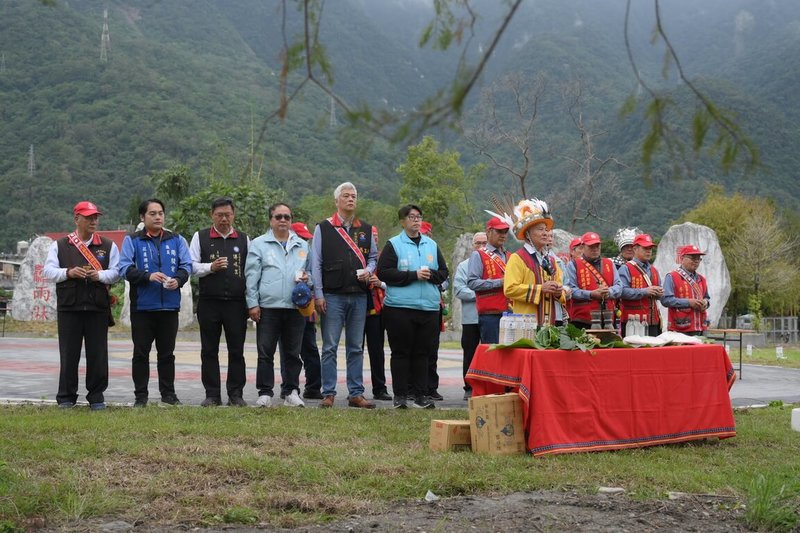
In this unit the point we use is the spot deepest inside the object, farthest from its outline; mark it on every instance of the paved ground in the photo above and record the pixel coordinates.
(29, 372)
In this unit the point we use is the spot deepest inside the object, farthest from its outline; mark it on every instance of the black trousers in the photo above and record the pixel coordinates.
(161, 327)
(374, 334)
(214, 316)
(286, 325)
(90, 329)
(413, 337)
(309, 354)
(470, 339)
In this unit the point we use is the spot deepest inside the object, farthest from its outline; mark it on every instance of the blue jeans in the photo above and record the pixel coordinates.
(490, 328)
(348, 312)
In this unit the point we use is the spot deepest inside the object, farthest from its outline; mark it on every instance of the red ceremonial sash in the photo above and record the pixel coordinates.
(337, 225)
(84, 250)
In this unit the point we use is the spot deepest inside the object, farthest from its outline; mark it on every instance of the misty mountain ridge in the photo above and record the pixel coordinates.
(185, 77)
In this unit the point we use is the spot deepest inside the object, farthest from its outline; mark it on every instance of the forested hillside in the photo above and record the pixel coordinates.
(186, 81)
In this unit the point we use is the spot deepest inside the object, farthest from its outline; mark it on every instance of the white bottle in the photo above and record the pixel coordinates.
(629, 326)
(503, 328)
(511, 332)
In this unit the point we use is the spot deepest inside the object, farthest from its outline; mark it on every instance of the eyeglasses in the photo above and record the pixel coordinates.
(281, 216)
(500, 231)
(414, 217)
(694, 257)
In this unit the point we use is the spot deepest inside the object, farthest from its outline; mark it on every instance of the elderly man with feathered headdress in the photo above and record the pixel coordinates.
(534, 280)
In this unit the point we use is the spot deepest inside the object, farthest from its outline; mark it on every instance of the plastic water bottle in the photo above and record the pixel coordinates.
(629, 326)
(511, 330)
(503, 327)
(645, 330)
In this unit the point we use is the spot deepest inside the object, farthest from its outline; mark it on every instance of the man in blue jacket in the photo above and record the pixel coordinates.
(157, 264)
(276, 261)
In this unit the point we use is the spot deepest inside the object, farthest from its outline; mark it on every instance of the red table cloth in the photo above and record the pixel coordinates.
(609, 399)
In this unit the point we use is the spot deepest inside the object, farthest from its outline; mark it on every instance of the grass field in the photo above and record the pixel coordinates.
(285, 467)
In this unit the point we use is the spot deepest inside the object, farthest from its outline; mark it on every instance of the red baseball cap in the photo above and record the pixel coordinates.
(425, 228)
(302, 230)
(496, 223)
(589, 238)
(644, 240)
(574, 242)
(689, 249)
(86, 209)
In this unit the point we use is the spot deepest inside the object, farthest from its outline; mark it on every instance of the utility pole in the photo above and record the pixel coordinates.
(332, 122)
(31, 163)
(105, 39)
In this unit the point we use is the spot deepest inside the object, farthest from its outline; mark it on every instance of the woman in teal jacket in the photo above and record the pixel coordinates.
(412, 266)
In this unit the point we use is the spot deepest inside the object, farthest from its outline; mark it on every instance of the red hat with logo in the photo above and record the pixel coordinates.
(302, 230)
(574, 242)
(689, 249)
(589, 238)
(86, 209)
(644, 240)
(496, 223)
(425, 228)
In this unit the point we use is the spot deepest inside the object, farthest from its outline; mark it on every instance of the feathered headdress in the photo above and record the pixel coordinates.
(625, 236)
(523, 215)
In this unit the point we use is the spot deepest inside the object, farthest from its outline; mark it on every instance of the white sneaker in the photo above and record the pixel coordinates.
(264, 401)
(293, 400)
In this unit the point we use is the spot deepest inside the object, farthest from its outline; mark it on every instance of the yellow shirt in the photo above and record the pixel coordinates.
(519, 286)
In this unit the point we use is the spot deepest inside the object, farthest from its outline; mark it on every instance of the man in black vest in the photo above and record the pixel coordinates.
(344, 258)
(218, 256)
(83, 264)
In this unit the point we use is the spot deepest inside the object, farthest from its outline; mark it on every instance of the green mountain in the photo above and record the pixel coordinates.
(187, 79)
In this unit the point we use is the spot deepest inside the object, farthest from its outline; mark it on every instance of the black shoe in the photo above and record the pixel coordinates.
(400, 402)
(140, 402)
(434, 395)
(66, 405)
(171, 400)
(312, 395)
(382, 395)
(211, 402)
(423, 402)
(236, 401)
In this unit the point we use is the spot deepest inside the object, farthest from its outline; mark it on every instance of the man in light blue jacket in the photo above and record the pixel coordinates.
(470, 330)
(276, 261)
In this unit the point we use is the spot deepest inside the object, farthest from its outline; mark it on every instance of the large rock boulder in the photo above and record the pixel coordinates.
(713, 266)
(34, 295)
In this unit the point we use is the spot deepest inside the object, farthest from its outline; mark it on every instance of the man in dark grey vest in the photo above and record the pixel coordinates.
(344, 258)
(218, 256)
(83, 264)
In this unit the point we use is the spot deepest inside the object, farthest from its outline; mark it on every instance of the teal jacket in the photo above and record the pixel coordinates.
(416, 294)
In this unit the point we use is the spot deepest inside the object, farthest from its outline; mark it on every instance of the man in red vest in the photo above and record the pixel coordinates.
(485, 272)
(686, 294)
(641, 286)
(594, 283)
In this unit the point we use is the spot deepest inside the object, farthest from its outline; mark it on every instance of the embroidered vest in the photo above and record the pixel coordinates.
(581, 310)
(643, 306)
(492, 301)
(687, 319)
